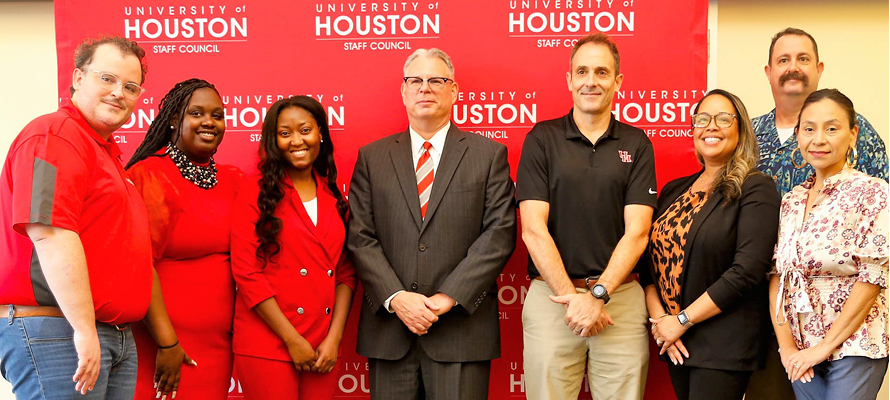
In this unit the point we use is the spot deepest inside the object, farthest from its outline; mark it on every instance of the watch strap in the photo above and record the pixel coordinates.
(604, 297)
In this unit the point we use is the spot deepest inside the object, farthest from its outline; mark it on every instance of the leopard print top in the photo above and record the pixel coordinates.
(666, 243)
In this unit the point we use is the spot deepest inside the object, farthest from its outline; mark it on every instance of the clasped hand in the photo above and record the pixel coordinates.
(306, 359)
(419, 312)
(585, 315)
(302, 354)
(799, 363)
(326, 355)
(666, 330)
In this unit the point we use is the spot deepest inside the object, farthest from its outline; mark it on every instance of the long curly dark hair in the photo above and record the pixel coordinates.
(273, 168)
(171, 108)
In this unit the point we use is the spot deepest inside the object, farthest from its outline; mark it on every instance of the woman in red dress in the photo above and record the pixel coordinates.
(295, 284)
(189, 199)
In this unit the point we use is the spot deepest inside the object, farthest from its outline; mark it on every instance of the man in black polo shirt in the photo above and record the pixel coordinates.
(586, 187)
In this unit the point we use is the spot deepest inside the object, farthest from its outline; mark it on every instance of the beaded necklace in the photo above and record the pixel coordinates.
(203, 177)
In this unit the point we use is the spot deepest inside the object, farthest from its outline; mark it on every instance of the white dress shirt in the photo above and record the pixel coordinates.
(311, 207)
(438, 143)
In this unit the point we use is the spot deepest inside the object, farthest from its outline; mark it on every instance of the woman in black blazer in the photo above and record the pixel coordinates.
(709, 251)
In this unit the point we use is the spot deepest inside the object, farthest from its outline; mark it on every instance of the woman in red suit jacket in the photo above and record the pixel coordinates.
(295, 284)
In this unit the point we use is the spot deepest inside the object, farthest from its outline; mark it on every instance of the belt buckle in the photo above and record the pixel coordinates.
(591, 278)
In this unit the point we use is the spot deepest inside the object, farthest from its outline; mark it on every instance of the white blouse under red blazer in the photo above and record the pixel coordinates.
(302, 276)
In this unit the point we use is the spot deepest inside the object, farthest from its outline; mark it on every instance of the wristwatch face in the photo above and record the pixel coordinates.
(599, 290)
(683, 318)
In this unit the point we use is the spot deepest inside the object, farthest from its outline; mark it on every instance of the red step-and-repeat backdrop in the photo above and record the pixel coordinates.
(510, 57)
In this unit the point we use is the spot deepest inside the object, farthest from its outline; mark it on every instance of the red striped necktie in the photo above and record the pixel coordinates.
(424, 174)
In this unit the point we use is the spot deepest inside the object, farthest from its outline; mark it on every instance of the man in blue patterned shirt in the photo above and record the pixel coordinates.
(793, 71)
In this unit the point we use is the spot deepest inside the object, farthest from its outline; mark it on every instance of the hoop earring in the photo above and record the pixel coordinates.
(793, 160)
(855, 154)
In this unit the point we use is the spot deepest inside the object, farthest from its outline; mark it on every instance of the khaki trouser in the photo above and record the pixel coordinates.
(617, 359)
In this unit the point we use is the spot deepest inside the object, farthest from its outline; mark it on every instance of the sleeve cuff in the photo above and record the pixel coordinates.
(722, 295)
(873, 271)
(256, 298)
(389, 299)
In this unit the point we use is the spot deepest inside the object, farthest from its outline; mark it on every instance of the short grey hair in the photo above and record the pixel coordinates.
(430, 53)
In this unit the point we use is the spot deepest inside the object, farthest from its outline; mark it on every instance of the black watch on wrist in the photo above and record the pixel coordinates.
(599, 291)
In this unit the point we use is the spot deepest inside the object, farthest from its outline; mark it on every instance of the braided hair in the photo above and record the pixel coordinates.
(171, 108)
(273, 169)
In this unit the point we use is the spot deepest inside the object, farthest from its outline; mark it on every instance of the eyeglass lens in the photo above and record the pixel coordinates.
(111, 81)
(723, 120)
(435, 83)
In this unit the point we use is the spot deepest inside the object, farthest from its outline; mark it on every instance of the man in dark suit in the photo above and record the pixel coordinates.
(433, 222)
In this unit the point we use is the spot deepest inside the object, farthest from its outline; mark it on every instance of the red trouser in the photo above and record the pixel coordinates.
(262, 378)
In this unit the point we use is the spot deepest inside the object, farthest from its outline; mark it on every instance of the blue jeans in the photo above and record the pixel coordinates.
(37, 356)
(851, 377)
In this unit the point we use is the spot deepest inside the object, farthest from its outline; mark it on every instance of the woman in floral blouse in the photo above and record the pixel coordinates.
(829, 291)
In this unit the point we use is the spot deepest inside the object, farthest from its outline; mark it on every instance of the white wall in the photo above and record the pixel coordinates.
(28, 78)
(852, 38)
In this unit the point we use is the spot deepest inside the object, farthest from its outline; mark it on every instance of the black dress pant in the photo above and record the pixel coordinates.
(691, 383)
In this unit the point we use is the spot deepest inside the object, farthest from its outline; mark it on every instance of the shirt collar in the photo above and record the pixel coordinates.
(438, 139)
(110, 145)
(790, 141)
(829, 183)
(572, 131)
(288, 183)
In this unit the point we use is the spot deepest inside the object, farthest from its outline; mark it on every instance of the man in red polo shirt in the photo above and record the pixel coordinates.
(74, 238)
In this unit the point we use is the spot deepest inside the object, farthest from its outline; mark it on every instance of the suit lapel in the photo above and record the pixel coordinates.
(403, 164)
(314, 233)
(451, 155)
(326, 210)
(300, 209)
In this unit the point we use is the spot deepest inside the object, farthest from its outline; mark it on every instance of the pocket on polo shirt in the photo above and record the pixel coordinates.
(47, 329)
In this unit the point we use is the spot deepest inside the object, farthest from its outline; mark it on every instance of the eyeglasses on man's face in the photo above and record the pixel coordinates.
(703, 119)
(435, 83)
(110, 81)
